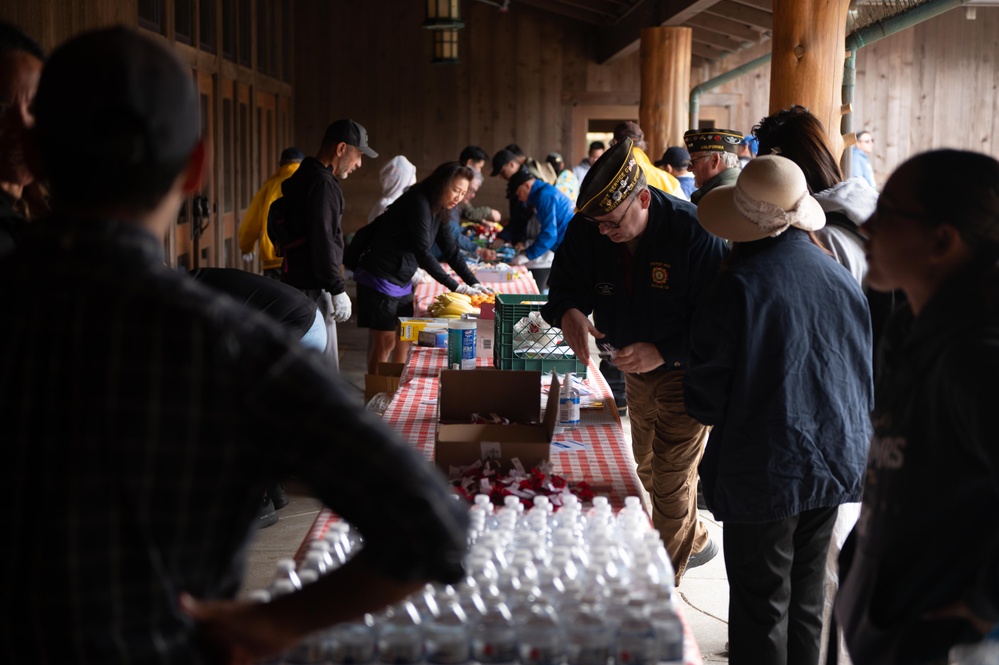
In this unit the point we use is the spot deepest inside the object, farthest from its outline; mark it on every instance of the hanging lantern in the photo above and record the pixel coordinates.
(445, 47)
(443, 15)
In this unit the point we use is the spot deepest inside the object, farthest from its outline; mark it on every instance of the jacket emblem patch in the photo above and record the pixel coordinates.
(604, 289)
(660, 275)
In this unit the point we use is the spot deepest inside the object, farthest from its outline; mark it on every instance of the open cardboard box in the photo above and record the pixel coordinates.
(513, 394)
(386, 380)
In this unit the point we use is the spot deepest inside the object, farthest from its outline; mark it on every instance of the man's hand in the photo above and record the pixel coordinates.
(960, 610)
(494, 216)
(341, 307)
(465, 289)
(481, 289)
(248, 257)
(519, 260)
(238, 632)
(638, 357)
(576, 329)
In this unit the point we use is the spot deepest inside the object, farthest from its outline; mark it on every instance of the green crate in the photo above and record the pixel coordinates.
(510, 309)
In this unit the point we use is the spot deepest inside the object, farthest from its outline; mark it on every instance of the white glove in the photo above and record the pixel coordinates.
(465, 289)
(481, 289)
(341, 307)
(519, 260)
(248, 257)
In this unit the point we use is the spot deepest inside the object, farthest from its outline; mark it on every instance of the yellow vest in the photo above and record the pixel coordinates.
(254, 224)
(656, 177)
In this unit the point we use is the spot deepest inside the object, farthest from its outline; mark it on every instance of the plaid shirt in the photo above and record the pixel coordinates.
(143, 415)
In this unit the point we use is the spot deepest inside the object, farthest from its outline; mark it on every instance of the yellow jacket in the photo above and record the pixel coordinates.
(656, 177)
(254, 224)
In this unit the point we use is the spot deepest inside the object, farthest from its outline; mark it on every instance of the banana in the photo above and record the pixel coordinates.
(461, 296)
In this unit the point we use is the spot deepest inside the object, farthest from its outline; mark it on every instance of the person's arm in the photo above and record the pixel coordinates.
(713, 335)
(544, 210)
(246, 631)
(477, 214)
(449, 250)
(324, 206)
(426, 230)
(569, 283)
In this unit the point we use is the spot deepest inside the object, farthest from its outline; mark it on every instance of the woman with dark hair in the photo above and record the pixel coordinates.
(780, 366)
(921, 570)
(394, 245)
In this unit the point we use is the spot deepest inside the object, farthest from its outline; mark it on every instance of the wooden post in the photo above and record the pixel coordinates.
(665, 70)
(808, 56)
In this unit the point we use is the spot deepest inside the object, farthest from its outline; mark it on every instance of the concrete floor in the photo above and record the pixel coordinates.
(704, 591)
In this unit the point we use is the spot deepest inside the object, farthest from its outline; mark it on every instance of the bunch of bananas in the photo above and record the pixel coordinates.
(452, 305)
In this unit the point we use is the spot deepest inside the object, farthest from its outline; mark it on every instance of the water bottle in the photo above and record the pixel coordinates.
(540, 637)
(400, 639)
(285, 571)
(568, 404)
(310, 650)
(315, 562)
(352, 642)
(589, 639)
(668, 627)
(635, 643)
(448, 639)
(494, 638)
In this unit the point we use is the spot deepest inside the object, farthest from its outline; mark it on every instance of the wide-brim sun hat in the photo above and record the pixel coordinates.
(769, 197)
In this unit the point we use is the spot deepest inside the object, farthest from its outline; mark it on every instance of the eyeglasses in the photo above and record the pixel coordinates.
(693, 160)
(607, 222)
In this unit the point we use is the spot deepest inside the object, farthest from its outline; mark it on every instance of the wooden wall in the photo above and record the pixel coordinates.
(520, 75)
(935, 85)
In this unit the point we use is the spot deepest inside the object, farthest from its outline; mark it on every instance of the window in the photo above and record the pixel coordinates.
(264, 29)
(151, 15)
(183, 16)
(244, 47)
(206, 25)
(229, 29)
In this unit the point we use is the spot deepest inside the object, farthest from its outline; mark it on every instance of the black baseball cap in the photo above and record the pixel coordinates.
(349, 132)
(675, 156)
(516, 180)
(291, 155)
(501, 159)
(116, 99)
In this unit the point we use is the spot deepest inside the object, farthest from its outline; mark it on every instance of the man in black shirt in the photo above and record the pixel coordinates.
(140, 407)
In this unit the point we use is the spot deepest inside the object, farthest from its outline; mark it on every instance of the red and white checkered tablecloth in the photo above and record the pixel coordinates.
(428, 290)
(607, 463)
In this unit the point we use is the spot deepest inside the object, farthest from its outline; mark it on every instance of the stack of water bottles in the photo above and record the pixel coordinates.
(584, 587)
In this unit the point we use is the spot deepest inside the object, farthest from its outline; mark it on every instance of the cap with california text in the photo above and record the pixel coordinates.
(716, 140)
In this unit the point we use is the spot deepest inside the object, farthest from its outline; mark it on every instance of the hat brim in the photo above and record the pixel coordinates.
(719, 216)
(367, 151)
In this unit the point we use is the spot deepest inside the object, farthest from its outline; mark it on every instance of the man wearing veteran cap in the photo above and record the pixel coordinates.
(313, 204)
(780, 367)
(637, 260)
(654, 177)
(714, 158)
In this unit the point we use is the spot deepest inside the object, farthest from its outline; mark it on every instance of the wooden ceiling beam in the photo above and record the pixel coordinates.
(592, 17)
(716, 40)
(707, 51)
(622, 37)
(743, 14)
(765, 5)
(724, 26)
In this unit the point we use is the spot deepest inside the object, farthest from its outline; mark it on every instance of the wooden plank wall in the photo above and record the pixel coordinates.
(518, 73)
(932, 86)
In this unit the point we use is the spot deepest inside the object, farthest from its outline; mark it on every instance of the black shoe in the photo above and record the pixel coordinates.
(709, 552)
(278, 495)
(266, 516)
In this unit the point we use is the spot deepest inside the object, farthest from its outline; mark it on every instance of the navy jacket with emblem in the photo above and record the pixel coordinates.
(648, 297)
(780, 365)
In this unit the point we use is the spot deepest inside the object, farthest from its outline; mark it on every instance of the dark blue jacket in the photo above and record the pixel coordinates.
(780, 365)
(648, 297)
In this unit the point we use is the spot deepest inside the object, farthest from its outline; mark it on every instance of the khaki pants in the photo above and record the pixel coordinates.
(667, 444)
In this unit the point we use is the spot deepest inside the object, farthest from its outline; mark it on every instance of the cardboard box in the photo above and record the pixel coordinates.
(512, 394)
(410, 327)
(386, 380)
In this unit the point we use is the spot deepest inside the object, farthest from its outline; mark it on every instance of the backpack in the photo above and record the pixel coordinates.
(281, 228)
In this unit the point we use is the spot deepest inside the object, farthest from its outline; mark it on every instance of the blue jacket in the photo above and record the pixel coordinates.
(780, 365)
(648, 297)
(553, 210)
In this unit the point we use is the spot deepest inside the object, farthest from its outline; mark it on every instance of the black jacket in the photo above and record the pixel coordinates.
(928, 533)
(314, 201)
(648, 297)
(400, 239)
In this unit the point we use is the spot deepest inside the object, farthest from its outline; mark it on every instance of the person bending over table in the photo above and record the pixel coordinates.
(385, 255)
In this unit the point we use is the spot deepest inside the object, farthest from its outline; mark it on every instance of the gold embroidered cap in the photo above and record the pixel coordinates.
(609, 182)
(718, 140)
